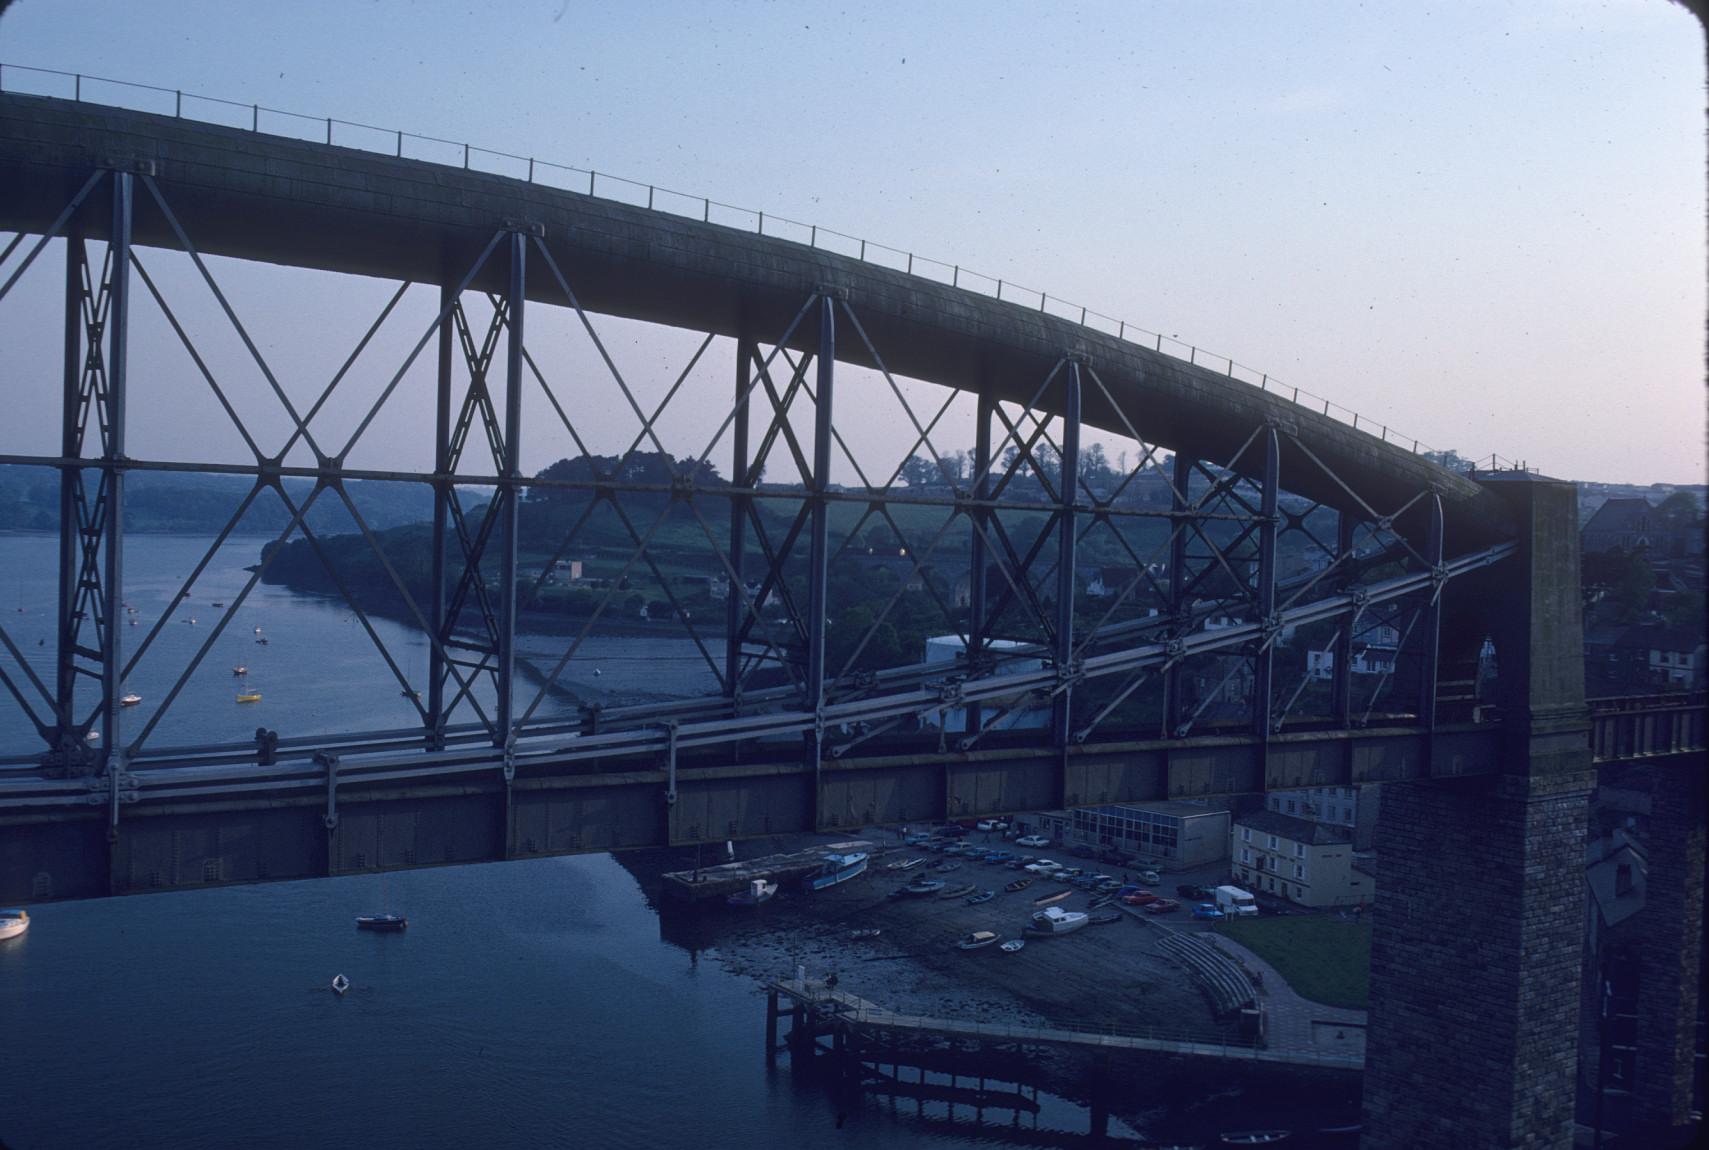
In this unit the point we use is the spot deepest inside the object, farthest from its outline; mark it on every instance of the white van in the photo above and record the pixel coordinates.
(1231, 900)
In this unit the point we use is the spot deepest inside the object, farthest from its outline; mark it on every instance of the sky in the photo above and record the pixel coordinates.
(1480, 224)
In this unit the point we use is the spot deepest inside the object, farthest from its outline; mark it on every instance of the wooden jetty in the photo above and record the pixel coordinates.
(714, 882)
(817, 1008)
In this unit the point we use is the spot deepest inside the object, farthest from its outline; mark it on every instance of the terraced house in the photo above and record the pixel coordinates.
(1305, 862)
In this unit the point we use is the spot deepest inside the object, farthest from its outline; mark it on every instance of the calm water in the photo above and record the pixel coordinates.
(319, 671)
(529, 1004)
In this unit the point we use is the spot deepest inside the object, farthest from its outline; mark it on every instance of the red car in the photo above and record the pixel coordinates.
(1162, 906)
(1139, 898)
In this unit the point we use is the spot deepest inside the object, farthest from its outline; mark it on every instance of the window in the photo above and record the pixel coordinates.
(1299, 850)
(1245, 834)
(1333, 814)
(1272, 842)
(1290, 806)
(1245, 854)
(1299, 870)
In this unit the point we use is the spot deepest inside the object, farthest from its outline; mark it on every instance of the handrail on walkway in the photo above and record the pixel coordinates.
(637, 193)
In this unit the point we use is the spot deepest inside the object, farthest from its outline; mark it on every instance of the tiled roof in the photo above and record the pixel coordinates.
(1289, 827)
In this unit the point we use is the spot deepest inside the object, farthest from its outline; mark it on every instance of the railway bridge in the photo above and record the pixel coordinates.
(858, 453)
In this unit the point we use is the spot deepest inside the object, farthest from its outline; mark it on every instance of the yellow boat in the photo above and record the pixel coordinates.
(249, 696)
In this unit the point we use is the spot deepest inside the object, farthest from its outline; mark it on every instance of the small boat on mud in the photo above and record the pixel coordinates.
(836, 868)
(381, 922)
(946, 867)
(961, 891)
(978, 939)
(759, 890)
(866, 932)
(904, 864)
(982, 896)
(1256, 1137)
(1053, 921)
(1012, 945)
(1105, 919)
(1019, 884)
(1047, 899)
(919, 888)
(1101, 902)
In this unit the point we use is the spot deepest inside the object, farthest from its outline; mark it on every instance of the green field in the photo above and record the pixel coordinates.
(1324, 958)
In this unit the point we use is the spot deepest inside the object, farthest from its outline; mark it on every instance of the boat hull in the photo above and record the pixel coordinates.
(832, 877)
(381, 922)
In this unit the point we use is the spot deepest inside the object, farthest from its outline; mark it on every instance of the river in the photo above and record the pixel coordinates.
(529, 1003)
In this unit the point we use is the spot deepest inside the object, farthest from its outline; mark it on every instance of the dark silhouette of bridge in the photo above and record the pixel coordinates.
(1262, 549)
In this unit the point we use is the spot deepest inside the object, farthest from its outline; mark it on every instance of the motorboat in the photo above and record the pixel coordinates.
(249, 696)
(1053, 920)
(759, 890)
(240, 669)
(340, 985)
(836, 868)
(13, 922)
(982, 896)
(129, 700)
(1047, 899)
(978, 939)
(1012, 945)
(393, 922)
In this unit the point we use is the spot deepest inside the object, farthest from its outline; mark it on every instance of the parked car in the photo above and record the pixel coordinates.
(1188, 890)
(1162, 906)
(1067, 874)
(918, 838)
(999, 857)
(1044, 866)
(993, 824)
(1032, 841)
(1207, 910)
(1106, 885)
(1149, 877)
(1139, 898)
(1081, 851)
(950, 830)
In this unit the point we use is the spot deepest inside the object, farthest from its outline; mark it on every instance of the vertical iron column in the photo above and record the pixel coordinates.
(1061, 712)
(977, 623)
(437, 671)
(112, 593)
(819, 555)
(509, 490)
(1180, 502)
(1431, 623)
(735, 613)
(1264, 660)
(1341, 668)
(68, 742)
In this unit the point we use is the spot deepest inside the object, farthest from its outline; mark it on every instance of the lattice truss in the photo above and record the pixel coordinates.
(993, 571)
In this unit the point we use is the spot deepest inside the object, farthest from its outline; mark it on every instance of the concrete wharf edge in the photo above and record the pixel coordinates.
(815, 996)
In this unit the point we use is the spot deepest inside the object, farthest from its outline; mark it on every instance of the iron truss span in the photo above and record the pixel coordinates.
(898, 518)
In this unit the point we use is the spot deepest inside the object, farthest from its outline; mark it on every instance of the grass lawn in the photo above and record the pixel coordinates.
(1324, 958)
